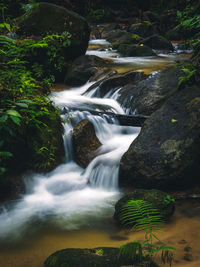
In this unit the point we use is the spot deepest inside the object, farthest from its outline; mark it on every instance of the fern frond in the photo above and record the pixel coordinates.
(141, 215)
(132, 250)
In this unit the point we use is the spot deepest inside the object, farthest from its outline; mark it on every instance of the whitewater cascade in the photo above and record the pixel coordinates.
(69, 196)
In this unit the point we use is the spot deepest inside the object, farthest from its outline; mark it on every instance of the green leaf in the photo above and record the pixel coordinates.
(23, 105)
(13, 112)
(16, 120)
(6, 154)
(3, 118)
(173, 120)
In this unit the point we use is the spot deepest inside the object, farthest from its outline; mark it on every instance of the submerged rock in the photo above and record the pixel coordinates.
(83, 68)
(166, 154)
(85, 143)
(149, 94)
(97, 257)
(160, 200)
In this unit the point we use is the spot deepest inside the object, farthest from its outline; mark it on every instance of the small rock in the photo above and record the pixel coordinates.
(188, 257)
(187, 248)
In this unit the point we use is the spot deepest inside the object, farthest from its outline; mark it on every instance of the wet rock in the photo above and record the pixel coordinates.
(166, 154)
(144, 29)
(111, 84)
(151, 16)
(97, 257)
(158, 42)
(132, 50)
(149, 94)
(110, 27)
(83, 68)
(187, 248)
(160, 200)
(174, 34)
(85, 143)
(188, 257)
(53, 19)
(120, 36)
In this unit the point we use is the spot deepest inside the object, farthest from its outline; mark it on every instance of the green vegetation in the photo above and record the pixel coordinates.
(98, 15)
(189, 71)
(141, 215)
(24, 104)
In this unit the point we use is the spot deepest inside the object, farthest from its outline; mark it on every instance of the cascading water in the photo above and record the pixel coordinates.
(70, 196)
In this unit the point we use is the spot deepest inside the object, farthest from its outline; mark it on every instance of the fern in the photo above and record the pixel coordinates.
(141, 215)
(132, 250)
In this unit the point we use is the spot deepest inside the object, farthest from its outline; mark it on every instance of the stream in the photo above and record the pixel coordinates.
(72, 206)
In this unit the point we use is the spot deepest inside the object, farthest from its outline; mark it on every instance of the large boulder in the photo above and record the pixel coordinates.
(134, 50)
(48, 18)
(84, 68)
(85, 143)
(149, 94)
(158, 42)
(96, 257)
(159, 200)
(121, 36)
(144, 29)
(166, 154)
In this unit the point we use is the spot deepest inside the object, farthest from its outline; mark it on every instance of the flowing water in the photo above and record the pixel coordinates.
(72, 206)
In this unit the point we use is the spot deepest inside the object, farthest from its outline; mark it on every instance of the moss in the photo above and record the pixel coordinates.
(136, 37)
(53, 261)
(116, 44)
(172, 146)
(89, 258)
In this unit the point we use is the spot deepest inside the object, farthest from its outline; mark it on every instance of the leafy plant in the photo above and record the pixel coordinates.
(168, 199)
(189, 72)
(98, 15)
(141, 215)
(99, 251)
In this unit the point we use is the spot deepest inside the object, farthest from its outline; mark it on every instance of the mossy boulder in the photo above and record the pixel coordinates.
(121, 36)
(97, 257)
(144, 29)
(49, 19)
(84, 68)
(158, 42)
(160, 200)
(166, 154)
(147, 95)
(133, 50)
(85, 143)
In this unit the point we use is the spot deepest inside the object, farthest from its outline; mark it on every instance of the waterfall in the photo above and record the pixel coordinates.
(70, 195)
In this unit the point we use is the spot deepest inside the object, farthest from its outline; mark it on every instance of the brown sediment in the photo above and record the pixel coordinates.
(182, 232)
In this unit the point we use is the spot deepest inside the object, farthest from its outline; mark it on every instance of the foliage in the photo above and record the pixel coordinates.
(189, 72)
(24, 105)
(99, 251)
(189, 24)
(168, 199)
(98, 15)
(141, 215)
